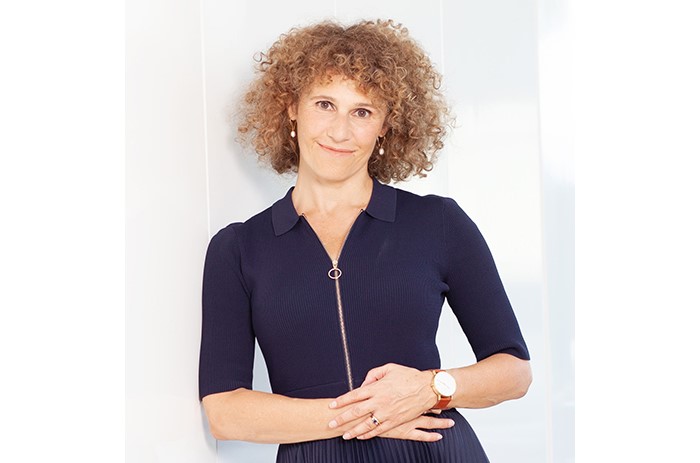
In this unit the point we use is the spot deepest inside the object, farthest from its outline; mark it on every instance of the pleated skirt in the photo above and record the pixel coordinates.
(458, 445)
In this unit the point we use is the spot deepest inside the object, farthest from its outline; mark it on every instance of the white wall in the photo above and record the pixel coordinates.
(166, 232)
(503, 164)
(557, 187)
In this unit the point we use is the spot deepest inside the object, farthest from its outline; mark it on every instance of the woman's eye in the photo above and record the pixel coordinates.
(363, 113)
(325, 105)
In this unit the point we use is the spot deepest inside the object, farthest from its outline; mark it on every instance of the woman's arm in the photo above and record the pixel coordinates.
(262, 417)
(395, 394)
(491, 381)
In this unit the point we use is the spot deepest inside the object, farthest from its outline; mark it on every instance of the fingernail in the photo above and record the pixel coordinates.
(333, 404)
(333, 424)
(452, 423)
(439, 436)
(346, 436)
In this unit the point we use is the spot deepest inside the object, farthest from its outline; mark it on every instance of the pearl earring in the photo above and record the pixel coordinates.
(293, 133)
(381, 147)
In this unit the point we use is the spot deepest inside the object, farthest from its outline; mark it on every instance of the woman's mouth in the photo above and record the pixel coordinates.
(337, 151)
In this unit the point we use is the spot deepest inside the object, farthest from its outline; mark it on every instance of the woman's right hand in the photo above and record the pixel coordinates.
(416, 429)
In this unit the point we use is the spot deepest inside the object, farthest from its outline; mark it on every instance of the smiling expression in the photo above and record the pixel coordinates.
(337, 130)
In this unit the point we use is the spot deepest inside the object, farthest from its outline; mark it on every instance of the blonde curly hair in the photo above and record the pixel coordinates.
(384, 62)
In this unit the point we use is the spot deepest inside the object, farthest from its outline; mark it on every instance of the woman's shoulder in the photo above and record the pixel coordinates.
(441, 212)
(430, 201)
(255, 224)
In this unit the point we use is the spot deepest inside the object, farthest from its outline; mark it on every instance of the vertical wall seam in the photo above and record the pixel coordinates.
(442, 38)
(546, 328)
(205, 131)
(204, 114)
(445, 159)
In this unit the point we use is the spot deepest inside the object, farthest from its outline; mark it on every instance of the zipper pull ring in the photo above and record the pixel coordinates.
(335, 272)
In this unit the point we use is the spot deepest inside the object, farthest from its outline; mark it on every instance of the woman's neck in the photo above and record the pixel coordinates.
(329, 198)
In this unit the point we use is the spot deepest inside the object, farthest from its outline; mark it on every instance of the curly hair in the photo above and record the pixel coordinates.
(385, 63)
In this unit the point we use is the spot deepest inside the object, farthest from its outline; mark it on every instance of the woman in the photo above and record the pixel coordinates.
(342, 281)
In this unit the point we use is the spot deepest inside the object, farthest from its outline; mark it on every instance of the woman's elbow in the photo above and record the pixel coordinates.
(523, 379)
(216, 432)
(222, 429)
(217, 428)
(221, 424)
(220, 434)
(216, 424)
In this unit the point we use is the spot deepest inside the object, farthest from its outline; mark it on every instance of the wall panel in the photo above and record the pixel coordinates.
(166, 232)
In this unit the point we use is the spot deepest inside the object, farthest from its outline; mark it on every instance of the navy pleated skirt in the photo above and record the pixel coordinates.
(458, 445)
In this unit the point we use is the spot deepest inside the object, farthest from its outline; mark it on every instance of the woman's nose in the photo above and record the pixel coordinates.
(339, 128)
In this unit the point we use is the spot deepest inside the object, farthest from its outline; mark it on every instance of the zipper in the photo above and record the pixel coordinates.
(334, 274)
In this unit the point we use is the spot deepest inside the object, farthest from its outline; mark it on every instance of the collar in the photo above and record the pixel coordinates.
(382, 206)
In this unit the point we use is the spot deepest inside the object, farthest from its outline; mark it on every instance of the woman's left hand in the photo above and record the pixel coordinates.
(393, 395)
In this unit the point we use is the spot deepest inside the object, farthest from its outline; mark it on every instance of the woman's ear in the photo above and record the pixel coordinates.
(292, 112)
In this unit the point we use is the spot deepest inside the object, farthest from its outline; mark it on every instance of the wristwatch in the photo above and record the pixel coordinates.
(444, 385)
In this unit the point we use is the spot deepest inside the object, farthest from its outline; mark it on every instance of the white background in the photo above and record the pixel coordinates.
(634, 103)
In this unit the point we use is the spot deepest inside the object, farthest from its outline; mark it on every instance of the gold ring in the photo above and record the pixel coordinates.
(375, 421)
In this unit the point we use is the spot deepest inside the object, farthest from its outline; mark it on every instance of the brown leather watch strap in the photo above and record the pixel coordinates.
(443, 402)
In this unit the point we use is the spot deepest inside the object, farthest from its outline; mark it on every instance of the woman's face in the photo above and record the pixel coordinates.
(337, 129)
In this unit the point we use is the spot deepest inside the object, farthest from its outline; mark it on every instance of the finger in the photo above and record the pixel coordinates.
(429, 422)
(356, 395)
(423, 436)
(352, 414)
(375, 374)
(367, 430)
(418, 429)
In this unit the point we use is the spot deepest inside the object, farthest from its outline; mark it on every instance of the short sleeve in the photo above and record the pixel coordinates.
(228, 342)
(476, 293)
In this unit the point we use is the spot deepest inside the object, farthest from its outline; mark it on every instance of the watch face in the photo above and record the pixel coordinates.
(445, 384)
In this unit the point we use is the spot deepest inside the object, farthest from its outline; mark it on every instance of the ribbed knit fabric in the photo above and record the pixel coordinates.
(268, 279)
(458, 445)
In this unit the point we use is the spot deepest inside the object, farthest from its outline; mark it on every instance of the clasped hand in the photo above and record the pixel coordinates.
(397, 397)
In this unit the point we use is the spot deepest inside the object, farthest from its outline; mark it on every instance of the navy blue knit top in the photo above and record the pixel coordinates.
(268, 279)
